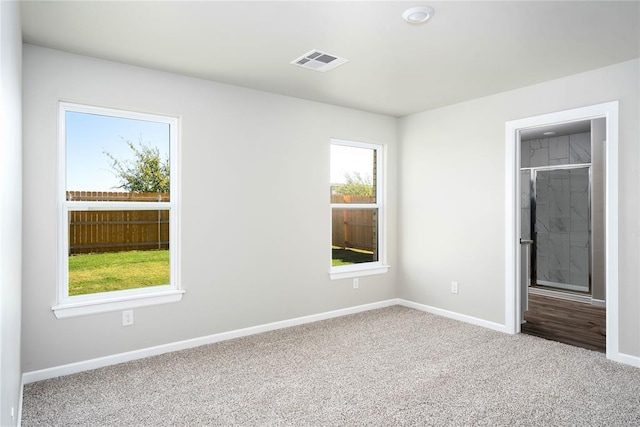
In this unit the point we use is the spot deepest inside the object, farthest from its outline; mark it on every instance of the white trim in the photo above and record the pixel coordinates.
(609, 111)
(79, 305)
(560, 295)
(598, 302)
(512, 290)
(86, 365)
(19, 420)
(453, 315)
(627, 359)
(357, 144)
(121, 206)
(357, 270)
(564, 286)
(95, 306)
(380, 266)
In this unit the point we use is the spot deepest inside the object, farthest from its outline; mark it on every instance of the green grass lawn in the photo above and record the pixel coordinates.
(116, 271)
(341, 256)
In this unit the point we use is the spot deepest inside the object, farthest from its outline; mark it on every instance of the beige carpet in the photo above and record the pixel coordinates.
(394, 366)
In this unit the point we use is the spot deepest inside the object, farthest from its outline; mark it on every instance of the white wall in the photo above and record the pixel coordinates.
(451, 204)
(10, 209)
(254, 229)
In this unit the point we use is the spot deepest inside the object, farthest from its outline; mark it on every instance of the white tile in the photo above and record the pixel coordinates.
(579, 239)
(536, 143)
(578, 224)
(542, 267)
(525, 189)
(525, 224)
(559, 275)
(580, 259)
(579, 180)
(542, 218)
(539, 157)
(559, 254)
(542, 192)
(559, 225)
(580, 148)
(525, 149)
(559, 203)
(542, 243)
(579, 205)
(579, 270)
(559, 147)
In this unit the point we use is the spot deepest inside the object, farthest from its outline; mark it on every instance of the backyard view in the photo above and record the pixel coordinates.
(354, 210)
(117, 271)
(341, 256)
(117, 239)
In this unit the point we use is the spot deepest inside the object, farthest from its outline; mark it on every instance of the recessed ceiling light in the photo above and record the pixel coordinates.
(549, 133)
(418, 14)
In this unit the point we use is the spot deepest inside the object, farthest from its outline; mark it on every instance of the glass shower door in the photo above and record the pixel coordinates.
(560, 207)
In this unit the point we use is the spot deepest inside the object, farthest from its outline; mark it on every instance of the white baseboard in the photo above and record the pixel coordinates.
(626, 359)
(87, 365)
(453, 315)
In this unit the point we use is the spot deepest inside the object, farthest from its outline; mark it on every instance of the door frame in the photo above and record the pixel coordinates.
(609, 111)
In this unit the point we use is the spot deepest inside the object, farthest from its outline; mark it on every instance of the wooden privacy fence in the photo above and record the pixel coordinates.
(354, 228)
(97, 231)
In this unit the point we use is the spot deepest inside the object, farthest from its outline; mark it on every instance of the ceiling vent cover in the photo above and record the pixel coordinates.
(319, 61)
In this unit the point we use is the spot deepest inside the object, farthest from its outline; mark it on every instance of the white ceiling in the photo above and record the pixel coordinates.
(468, 50)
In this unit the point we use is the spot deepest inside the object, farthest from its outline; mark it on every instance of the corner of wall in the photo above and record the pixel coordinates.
(11, 206)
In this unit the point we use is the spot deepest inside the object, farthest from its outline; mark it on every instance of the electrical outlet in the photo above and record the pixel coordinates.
(127, 318)
(356, 283)
(454, 287)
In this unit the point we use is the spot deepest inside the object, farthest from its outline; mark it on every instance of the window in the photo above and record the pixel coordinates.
(118, 210)
(357, 209)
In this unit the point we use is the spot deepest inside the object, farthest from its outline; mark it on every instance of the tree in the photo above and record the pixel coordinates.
(147, 172)
(356, 185)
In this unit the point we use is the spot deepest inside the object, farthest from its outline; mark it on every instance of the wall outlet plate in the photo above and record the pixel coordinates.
(127, 318)
(454, 287)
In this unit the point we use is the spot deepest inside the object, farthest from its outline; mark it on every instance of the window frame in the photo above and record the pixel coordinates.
(79, 305)
(367, 268)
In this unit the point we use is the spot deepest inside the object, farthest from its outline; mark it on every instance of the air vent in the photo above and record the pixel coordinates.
(319, 61)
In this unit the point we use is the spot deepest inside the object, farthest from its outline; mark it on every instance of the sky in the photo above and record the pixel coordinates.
(89, 136)
(349, 160)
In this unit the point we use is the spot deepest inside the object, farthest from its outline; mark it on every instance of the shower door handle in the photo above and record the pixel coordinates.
(526, 242)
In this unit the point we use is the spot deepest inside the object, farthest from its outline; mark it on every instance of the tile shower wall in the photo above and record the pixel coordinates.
(559, 150)
(562, 209)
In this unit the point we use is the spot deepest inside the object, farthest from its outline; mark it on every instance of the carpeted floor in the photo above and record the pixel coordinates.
(394, 366)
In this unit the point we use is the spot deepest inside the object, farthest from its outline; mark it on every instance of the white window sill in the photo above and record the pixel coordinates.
(349, 271)
(84, 308)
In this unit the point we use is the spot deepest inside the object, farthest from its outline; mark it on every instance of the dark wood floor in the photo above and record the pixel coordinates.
(569, 322)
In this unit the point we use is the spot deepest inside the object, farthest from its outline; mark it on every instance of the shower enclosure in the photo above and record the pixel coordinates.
(556, 222)
(556, 213)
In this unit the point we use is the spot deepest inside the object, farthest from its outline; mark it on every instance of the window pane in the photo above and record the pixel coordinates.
(117, 250)
(112, 154)
(354, 236)
(353, 174)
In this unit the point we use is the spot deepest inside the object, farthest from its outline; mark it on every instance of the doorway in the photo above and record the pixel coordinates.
(557, 198)
(517, 280)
